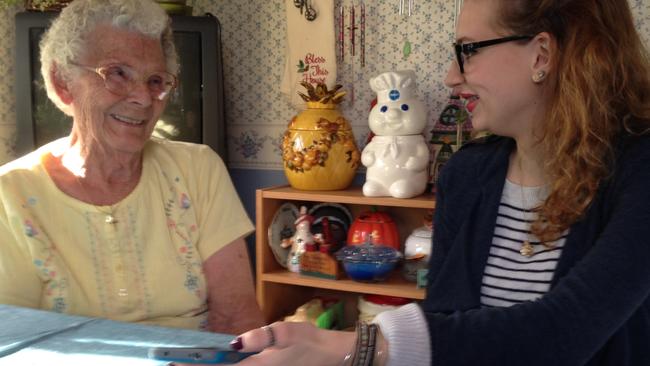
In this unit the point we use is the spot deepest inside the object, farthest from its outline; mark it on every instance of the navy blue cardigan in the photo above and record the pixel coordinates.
(597, 311)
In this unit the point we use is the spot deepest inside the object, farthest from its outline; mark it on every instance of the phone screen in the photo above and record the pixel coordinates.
(198, 355)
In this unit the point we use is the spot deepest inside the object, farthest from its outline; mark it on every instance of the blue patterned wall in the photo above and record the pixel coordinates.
(253, 38)
(254, 33)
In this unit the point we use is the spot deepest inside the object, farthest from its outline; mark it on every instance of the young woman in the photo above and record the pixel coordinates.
(541, 253)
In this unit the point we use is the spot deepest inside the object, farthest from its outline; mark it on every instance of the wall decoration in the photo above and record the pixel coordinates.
(254, 36)
(7, 98)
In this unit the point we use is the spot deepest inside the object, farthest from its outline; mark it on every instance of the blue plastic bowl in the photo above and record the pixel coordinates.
(368, 263)
(368, 271)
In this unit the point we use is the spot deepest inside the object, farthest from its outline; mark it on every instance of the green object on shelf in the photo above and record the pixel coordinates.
(332, 318)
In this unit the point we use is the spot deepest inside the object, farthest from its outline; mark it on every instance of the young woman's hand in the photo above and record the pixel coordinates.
(295, 344)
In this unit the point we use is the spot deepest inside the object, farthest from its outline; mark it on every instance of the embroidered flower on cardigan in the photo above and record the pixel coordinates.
(184, 201)
(30, 230)
(55, 290)
(181, 222)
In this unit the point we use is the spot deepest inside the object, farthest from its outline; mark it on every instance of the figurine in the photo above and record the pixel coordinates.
(317, 260)
(453, 127)
(300, 239)
(397, 157)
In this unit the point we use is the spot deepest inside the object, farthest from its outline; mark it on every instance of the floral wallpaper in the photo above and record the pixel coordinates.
(7, 98)
(260, 116)
(253, 37)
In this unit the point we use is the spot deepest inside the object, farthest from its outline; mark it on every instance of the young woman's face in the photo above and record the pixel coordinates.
(119, 123)
(496, 82)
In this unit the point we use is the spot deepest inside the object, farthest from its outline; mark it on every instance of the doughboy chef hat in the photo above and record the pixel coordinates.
(394, 85)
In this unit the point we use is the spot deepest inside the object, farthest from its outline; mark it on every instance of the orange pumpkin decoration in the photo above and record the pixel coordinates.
(378, 228)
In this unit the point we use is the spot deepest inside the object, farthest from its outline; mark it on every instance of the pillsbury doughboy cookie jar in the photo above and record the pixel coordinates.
(397, 157)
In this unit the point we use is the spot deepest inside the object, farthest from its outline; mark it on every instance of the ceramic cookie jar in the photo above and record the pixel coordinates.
(397, 157)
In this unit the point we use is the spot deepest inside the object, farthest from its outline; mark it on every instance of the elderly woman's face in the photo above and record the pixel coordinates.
(120, 122)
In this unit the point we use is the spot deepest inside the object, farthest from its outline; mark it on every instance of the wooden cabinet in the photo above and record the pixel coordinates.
(280, 292)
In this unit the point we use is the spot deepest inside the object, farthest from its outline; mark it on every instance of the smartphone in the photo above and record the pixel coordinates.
(207, 355)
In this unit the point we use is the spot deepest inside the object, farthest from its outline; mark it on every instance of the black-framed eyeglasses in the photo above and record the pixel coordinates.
(121, 79)
(465, 50)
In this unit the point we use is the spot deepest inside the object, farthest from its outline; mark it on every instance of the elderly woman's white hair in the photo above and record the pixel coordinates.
(65, 40)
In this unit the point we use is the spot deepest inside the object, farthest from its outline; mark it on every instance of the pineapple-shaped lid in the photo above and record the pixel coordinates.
(322, 112)
(321, 95)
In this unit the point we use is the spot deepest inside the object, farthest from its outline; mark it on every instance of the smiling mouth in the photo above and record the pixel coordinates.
(128, 120)
(469, 101)
(468, 98)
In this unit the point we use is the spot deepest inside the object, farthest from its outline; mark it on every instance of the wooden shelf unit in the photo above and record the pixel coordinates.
(280, 292)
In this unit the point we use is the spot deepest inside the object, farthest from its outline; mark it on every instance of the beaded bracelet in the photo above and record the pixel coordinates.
(362, 344)
(372, 342)
(364, 351)
(381, 353)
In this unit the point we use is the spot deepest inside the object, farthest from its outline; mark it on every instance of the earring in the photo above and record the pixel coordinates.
(539, 76)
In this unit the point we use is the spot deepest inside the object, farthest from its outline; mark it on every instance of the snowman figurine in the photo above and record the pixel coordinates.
(397, 157)
(299, 241)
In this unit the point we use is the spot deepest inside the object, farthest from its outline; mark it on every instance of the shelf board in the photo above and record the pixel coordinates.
(352, 195)
(394, 286)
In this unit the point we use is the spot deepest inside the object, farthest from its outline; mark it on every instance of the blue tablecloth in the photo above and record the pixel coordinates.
(33, 337)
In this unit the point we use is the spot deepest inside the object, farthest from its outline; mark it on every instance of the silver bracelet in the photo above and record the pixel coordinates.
(347, 360)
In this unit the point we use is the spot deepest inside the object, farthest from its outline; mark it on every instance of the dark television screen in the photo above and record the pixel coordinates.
(194, 112)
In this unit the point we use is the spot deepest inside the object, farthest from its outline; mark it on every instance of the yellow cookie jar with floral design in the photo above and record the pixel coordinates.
(318, 149)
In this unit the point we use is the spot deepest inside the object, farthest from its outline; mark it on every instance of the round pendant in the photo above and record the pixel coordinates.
(110, 219)
(527, 249)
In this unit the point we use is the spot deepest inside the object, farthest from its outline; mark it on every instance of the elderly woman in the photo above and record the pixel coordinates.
(109, 222)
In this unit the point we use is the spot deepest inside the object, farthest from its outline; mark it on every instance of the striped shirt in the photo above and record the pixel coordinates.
(511, 278)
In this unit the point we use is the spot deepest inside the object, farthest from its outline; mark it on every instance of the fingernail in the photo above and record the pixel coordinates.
(236, 344)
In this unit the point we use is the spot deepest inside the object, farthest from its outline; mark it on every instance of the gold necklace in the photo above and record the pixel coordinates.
(527, 249)
(109, 216)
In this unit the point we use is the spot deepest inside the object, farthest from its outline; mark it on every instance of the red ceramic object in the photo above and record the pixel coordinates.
(377, 228)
